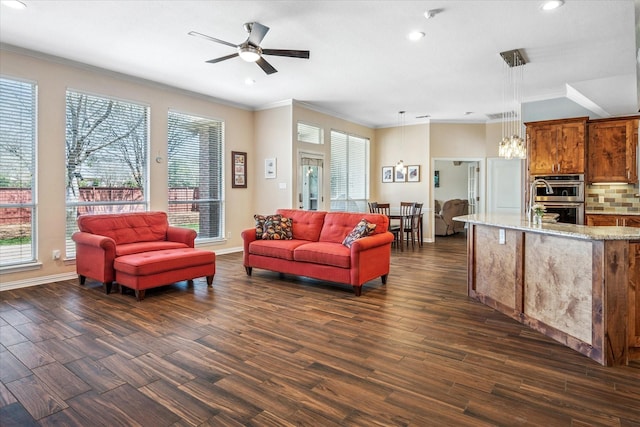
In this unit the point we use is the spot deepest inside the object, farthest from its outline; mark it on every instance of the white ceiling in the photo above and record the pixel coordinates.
(362, 67)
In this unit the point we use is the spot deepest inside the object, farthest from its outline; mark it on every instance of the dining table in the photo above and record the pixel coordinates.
(396, 214)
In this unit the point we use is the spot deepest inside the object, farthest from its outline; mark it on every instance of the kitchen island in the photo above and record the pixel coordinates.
(573, 283)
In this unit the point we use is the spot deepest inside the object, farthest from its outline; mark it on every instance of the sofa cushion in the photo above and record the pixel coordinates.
(362, 229)
(138, 247)
(306, 224)
(260, 219)
(127, 228)
(154, 262)
(338, 224)
(324, 253)
(277, 227)
(275, 248)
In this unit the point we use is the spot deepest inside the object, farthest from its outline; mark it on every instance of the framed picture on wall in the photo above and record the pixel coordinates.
(270, 168)
(387, 174)
(436, 179)
(239, 168)
(400, 175)
(413, 173)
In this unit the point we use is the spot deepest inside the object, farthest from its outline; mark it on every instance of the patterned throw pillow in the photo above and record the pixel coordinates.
(363, 229)
(277, 227)
(260, 219)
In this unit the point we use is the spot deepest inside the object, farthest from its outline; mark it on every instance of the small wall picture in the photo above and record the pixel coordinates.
(413, 173)
(401, 174)
(239, 168)
(270, 168)
(387, 174)
(436, 179)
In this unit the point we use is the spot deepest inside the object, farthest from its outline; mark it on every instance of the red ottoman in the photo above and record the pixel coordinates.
(156, 268)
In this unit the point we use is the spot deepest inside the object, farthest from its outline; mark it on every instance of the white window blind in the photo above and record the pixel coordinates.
(107, 142)
(349, 172)
(196, 177)
(310, 133)
(17, 172)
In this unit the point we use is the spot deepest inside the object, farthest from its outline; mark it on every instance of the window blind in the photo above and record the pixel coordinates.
(349, 172)
(310, 133)
(17, 172)
(106, 156)
(196, 179)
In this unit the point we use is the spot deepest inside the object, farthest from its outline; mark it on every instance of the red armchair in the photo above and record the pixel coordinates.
(102, 238)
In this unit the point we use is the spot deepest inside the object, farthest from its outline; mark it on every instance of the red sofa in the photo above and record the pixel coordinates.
(103, 238)
(316, 249)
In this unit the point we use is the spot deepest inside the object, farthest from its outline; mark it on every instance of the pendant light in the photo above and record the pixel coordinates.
(512, 145)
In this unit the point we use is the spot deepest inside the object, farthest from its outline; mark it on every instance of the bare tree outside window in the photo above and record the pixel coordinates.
(106, 154)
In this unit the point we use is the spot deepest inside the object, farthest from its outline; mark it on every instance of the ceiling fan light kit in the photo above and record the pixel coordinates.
(251, 51)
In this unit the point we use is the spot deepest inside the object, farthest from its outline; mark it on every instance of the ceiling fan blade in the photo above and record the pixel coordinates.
(213, 39)
(258, 31)
(287, 52)
(266, 67)
(222, 58)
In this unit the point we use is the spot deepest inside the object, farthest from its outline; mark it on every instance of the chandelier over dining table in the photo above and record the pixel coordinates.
(512, 144)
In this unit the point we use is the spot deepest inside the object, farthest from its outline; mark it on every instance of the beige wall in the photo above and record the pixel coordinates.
(268, 133)
(304, 113)
(53, 78)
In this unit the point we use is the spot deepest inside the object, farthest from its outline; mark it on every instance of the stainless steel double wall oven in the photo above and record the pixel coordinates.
(567, 199)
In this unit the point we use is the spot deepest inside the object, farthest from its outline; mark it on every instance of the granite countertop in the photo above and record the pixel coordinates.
(586, 232)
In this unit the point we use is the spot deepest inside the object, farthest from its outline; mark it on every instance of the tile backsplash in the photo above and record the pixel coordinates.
(612, 198)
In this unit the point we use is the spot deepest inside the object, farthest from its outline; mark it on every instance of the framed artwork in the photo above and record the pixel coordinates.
(413, 173)
(239, 168)
(400, 175)
(387, 174)
(270, 168)
(436, 179)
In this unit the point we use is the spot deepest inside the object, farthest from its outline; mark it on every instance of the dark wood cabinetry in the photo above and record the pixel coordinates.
(619, 220)
(556, 146)
(611, 150)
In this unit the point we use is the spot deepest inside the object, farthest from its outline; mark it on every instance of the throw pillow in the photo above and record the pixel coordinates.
(260, 219)
(363, 229)
(277, 227)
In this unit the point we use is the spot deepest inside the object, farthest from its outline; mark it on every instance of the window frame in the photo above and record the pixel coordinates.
(21, 262)
(221, 201)
(71, 225)
(360, 204)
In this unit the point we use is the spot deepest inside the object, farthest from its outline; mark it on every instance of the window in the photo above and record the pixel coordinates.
(17, 172)
(309, 133)
(106, 153)
(349, 172)
(195, 162)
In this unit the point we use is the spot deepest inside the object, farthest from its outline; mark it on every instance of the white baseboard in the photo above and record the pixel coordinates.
(34, 281)
(41, 280)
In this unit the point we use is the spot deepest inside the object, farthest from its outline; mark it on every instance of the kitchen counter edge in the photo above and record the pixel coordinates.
(584, 232)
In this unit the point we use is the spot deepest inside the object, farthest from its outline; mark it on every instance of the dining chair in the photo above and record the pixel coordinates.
(416, 219)
(372, 207)
(385, 209)
(407, 210)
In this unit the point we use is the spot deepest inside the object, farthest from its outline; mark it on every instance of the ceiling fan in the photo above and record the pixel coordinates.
(250, 50)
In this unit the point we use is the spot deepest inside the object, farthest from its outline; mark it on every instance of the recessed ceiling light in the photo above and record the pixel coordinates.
(14, 4)
(249, 81)
(415, 35)
(551, 4)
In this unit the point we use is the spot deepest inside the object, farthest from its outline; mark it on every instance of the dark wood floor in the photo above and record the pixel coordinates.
(268, 351)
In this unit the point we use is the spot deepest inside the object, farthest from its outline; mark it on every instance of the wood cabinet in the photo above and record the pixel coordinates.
(611, 150)
(633, 310)
(619, 220)
(556, 146)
